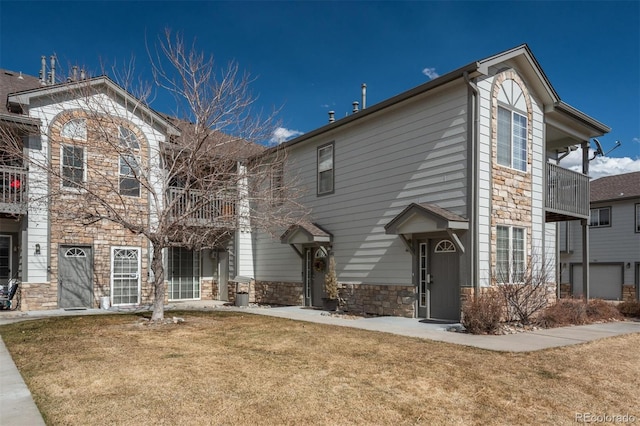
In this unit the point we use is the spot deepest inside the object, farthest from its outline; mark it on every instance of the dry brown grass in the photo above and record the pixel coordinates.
(226, 368)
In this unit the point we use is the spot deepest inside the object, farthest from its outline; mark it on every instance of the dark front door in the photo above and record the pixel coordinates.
(5, 259)
(315, 268)
(444, 288)
(75, 277)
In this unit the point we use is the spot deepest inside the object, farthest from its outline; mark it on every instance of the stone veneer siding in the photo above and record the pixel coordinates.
(390, 300)
(67, 205)
(512, 189)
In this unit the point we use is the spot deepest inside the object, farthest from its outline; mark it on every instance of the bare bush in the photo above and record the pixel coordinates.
(482, 314)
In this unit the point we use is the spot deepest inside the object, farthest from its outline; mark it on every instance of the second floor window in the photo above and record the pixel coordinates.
(325, 169)
(637, 217)
(601, 217)
(128, 138)
(75, 129)
(129, 176)
(72, 166)
(512, 139)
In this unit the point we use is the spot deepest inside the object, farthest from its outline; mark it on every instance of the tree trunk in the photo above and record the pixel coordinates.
(157, 266)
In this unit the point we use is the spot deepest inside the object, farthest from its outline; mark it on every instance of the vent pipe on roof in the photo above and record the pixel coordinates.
(332, 117)
(364, 95)
(355, 106)
(75, 73)
(53, 69)
(82, 74)
(43, 70)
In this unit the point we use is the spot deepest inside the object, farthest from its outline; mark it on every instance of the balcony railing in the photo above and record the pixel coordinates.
(198, 208)
(567, 194)
(13, 190)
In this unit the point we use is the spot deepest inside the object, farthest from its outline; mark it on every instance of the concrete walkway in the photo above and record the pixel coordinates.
(19, 409)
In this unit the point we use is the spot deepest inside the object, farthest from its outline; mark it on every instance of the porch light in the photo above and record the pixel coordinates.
(37, 250)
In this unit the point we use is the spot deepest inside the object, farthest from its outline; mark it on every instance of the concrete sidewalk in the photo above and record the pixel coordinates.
(19, 408)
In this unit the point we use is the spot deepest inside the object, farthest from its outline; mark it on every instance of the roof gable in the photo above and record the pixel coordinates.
(102, 83)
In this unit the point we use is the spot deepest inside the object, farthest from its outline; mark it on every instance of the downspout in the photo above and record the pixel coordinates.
(585, 227)
(472, 134)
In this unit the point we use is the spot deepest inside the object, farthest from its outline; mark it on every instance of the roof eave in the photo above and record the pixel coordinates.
(582, 117)
(24, 97)
(425, 87)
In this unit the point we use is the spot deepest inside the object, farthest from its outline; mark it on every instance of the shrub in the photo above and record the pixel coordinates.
(565, 312)
(630, 309)
(482, 315)
(575, 312)
(600, 310)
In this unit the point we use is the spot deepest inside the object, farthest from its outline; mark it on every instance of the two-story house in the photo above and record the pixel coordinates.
(85, 144)
(434, 194)
(614, 241)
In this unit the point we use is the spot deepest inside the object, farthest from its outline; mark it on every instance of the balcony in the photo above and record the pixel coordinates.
(199, 208)
(13, 190)
(567, 195)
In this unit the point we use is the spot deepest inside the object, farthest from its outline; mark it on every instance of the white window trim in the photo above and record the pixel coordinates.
(333, 168)
(113, 250)
(511, 271)
(599, 225)
(120, 175)
(84, 167)
(75, 136)
(512, 111)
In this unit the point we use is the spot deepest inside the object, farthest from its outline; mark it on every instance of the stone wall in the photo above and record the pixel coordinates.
(69, 207)
(281, 293)
(38, 296)
(629, 293)
(379, 299)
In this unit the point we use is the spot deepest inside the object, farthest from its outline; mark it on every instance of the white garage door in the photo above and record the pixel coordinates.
(605, 281)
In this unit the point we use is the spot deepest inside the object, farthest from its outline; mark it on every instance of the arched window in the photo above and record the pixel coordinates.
(75, 129)
(445, 246)
(128, 138)
(512, 126)
(75, 252)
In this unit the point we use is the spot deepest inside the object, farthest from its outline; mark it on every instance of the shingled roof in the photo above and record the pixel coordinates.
(618, 187)
(11, 82)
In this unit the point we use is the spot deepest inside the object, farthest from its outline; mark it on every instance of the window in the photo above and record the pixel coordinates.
(276, 184)
(637, 218)
(600, 217)
(75, 129)
(325, 169)
(512, 139)
(129, 176)
(445, 246)
(128, 138)
(510, 253)
(72, 166)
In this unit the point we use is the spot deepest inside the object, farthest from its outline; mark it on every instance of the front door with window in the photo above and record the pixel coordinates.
(315, 268)
(438, 286)
(75, 277)
(125, 276)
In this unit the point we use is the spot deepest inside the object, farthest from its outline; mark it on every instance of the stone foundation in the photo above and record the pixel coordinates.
(629, 293)
(281, 293)
(38, 296)
(369, 299)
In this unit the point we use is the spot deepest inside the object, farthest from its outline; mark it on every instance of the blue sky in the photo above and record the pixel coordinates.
(312, 57)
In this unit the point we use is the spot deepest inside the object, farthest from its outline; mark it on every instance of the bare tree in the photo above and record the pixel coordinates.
(192, 190)
(525, 288)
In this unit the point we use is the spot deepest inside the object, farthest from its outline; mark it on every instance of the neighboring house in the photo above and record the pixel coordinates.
(432, 195)
(62, 262)
(614, 242)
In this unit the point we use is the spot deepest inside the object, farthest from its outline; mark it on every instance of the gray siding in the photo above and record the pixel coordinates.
(413, 153)
(616, 243)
